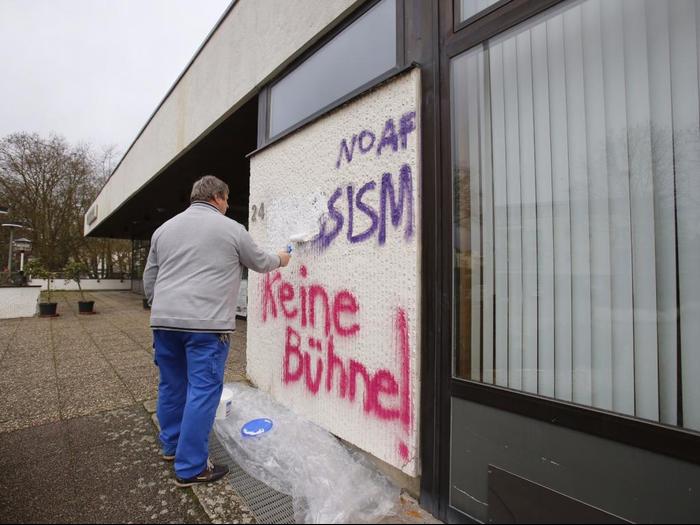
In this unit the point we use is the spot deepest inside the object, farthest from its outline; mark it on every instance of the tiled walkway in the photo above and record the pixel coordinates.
(76, 443)
(77, 365)
(76, 439)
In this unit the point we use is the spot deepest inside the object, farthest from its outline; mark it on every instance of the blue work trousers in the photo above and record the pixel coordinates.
(191, 380)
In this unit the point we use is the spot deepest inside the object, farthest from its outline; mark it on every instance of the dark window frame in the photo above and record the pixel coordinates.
(401, 65)
(677, 442)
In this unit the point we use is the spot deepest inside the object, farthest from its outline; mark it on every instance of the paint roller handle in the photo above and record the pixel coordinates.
(284, 257)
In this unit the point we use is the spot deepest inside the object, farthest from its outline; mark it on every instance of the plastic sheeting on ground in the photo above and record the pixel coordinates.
(327, 482)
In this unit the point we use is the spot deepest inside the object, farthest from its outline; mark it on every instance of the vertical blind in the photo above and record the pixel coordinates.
(576, 171)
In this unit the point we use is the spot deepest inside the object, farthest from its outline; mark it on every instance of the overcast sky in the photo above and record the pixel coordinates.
(94, 70)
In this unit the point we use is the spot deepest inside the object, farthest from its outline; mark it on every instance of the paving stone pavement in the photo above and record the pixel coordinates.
(220, 501)
(76, 442)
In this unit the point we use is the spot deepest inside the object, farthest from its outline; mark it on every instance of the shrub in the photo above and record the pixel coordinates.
(34, 268)
(73, 271)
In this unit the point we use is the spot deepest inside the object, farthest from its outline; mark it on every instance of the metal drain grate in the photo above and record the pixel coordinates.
(267, 505)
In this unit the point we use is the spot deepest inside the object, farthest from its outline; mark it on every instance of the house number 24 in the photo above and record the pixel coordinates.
(258, 212)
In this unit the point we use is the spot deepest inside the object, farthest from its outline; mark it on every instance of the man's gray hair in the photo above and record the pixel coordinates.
(208, 187)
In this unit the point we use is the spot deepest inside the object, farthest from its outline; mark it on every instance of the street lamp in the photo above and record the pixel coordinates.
(22, 245)
(9, 257)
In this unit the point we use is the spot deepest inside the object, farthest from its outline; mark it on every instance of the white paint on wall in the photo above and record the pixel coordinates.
(86, 284)
(18, 301)
(371, 281)
(255, 40)
(302, 217)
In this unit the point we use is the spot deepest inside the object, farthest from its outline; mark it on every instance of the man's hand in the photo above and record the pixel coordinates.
(284, 258)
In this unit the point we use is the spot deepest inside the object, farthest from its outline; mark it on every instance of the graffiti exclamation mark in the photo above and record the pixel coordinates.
(402, 345)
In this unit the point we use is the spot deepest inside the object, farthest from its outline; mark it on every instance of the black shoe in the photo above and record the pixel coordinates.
(209, 474)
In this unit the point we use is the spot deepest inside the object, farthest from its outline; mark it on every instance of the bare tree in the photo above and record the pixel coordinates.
(49, 185)
(105, 256)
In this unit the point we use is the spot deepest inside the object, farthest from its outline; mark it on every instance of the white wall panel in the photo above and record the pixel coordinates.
(18, 301)
(327, 179)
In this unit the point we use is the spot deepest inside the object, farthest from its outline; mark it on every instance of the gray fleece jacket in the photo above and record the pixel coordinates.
(193, 272)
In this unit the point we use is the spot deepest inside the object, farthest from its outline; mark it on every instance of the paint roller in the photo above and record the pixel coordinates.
(299, 238)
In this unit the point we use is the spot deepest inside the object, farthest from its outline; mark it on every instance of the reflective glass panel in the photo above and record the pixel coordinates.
(468, 8)
(360, 53)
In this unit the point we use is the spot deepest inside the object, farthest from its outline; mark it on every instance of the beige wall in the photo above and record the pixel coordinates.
(257, 39)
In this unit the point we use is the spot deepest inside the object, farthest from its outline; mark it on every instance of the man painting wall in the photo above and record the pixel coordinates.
(191, 280)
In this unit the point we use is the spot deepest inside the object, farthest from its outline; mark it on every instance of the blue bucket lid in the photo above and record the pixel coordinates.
(256, 427)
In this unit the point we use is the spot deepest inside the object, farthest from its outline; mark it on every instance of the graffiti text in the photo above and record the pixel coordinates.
(366, 140)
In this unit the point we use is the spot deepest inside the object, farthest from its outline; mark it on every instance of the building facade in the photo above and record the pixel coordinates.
(493, 209)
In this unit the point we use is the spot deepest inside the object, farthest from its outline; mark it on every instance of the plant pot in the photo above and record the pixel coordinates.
(146, 306)
(47, 309)
(86, 307)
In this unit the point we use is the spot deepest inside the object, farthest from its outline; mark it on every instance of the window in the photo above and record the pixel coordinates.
(363, 51)
(576, 150)
(468, 8)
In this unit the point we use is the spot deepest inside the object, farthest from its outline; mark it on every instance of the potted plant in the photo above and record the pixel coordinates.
(34, 268)
(73, 271)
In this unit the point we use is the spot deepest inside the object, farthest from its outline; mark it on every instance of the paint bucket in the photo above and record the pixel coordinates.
(224, 408)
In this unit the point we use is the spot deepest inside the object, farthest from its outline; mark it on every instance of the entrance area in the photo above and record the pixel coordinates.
(222, 153)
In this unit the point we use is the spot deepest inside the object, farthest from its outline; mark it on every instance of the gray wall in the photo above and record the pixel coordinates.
(632, 483)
